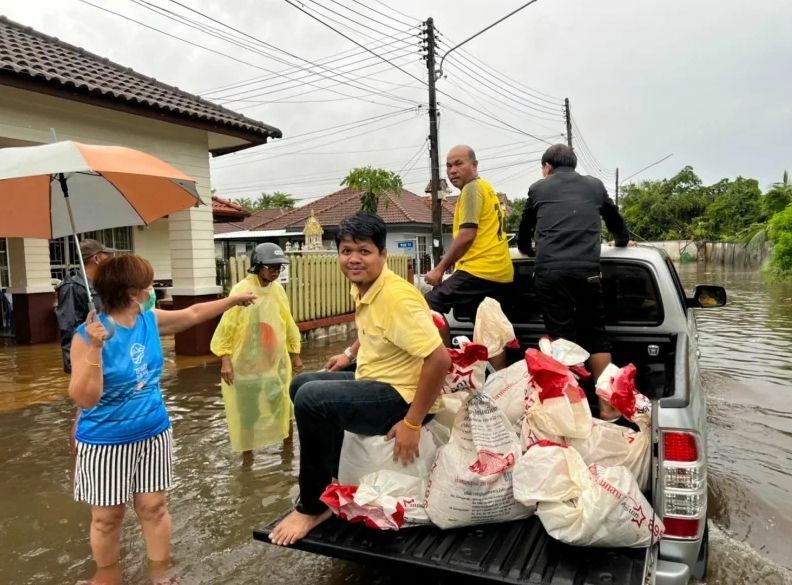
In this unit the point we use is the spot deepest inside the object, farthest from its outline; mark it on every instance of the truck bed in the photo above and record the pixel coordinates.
(511, 552)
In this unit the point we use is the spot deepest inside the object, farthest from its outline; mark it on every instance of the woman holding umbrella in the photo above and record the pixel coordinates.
(124, 433)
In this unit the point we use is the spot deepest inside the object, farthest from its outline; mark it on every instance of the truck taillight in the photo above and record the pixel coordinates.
(682, 527)
(680, 447)
(685, 482)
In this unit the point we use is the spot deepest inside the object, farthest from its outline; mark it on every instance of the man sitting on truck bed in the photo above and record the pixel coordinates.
(401, 364)
(564, 209)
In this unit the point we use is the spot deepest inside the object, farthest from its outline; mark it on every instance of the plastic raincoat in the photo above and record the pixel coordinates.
(259, 339)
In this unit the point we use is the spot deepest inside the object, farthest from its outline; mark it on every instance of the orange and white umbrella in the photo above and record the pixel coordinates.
(99, 186)
(64, 188)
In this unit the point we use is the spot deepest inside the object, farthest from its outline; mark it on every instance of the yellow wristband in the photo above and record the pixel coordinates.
(90, 363)
(411, 426)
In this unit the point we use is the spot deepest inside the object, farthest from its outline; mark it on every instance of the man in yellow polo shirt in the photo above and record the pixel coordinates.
(480, 250)
(401, 364)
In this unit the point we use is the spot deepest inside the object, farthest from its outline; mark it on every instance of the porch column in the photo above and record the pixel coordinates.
(33, 295)
(193, 272)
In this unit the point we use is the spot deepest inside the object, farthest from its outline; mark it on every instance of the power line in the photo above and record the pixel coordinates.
(358, 13)
(415, 21)
(416, 157)
(504, 125)
(249, 95)
(319, 20)
(289, 140)
(258, 92)
(223, 36)
(487, 97)
(488, 70)
(396, 11)
(647, 167)
(512, 93)
(260, 81)
(264, 156)
(580, 139)
(455, 47)
(205, 48)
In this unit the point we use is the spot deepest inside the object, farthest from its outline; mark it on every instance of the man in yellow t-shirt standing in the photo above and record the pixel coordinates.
(401, 364)
(480, 250)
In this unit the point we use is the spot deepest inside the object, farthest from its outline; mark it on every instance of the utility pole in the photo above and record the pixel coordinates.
(568, 116)
(434, 157)
(617, 187)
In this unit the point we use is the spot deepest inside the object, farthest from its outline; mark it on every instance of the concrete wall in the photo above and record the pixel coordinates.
(677, 248)
(725, 253)
(740, 255)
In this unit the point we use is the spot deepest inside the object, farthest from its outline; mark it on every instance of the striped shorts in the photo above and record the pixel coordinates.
(108, 475)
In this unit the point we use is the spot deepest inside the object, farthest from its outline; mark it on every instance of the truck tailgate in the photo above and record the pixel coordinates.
(511, 552)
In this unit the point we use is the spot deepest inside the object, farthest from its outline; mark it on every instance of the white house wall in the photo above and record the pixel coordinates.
(28, 116)
(153, 243)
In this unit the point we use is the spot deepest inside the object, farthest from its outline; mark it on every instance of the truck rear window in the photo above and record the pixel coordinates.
(631, 295)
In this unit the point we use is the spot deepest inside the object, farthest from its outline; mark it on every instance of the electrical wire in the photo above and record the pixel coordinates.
(333, 141)
(205, 48)
(224, 36)
(289, 141)
(263, 87)
(289, 2)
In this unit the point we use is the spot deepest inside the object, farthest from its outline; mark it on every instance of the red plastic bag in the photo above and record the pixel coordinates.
(549, 374)
(341, 501)
(561, 409)
(467, 368)
(616, 386)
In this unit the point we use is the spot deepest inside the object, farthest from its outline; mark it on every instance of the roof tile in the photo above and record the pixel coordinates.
(29, 55)
(407, 208)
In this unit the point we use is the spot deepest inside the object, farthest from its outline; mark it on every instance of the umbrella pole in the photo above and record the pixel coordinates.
(65, 189)
(91, 306)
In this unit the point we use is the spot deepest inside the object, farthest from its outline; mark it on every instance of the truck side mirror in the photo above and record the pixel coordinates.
(707, 296)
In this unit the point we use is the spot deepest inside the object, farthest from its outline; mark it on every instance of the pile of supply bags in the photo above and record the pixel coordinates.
(523, 440)
(374, 489)
(584, 505)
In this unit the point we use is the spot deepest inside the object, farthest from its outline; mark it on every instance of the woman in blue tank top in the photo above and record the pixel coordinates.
(124, 434)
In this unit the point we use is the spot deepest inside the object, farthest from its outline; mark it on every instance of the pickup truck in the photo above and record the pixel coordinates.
(651, 324)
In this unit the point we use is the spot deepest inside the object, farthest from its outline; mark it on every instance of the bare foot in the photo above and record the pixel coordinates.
(247, 458)
(295, 526)
(161, 573)
(110, 575)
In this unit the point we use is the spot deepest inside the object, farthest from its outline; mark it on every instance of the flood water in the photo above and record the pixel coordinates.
(747, 362)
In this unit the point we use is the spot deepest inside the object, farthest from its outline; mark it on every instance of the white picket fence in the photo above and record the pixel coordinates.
(314, 283)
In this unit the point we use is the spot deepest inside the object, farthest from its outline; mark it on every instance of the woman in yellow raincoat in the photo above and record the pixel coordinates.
(260, 347)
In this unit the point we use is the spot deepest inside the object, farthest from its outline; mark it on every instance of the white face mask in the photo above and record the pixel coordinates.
(149, 303)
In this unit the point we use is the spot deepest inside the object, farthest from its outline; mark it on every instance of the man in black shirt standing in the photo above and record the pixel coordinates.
(564, 209)
(72, 308)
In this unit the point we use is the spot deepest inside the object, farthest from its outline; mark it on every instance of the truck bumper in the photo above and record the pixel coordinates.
(671, 573)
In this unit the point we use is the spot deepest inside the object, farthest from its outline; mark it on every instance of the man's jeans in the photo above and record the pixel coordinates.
(325, 405)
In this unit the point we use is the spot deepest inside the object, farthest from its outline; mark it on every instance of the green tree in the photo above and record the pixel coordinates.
(276, 200)
(777, 197)
(735, 210)
(666, 209)
(372, 184)
(780, 232)
(515, 215)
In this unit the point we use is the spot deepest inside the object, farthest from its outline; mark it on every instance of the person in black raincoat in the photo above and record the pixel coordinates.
(72, 308)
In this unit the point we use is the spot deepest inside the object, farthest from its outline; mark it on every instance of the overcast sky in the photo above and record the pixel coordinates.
(704, 80)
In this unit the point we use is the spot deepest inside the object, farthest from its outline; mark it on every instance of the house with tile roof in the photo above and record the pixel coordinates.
(226, 211)
(407, 215)
(47, 83)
